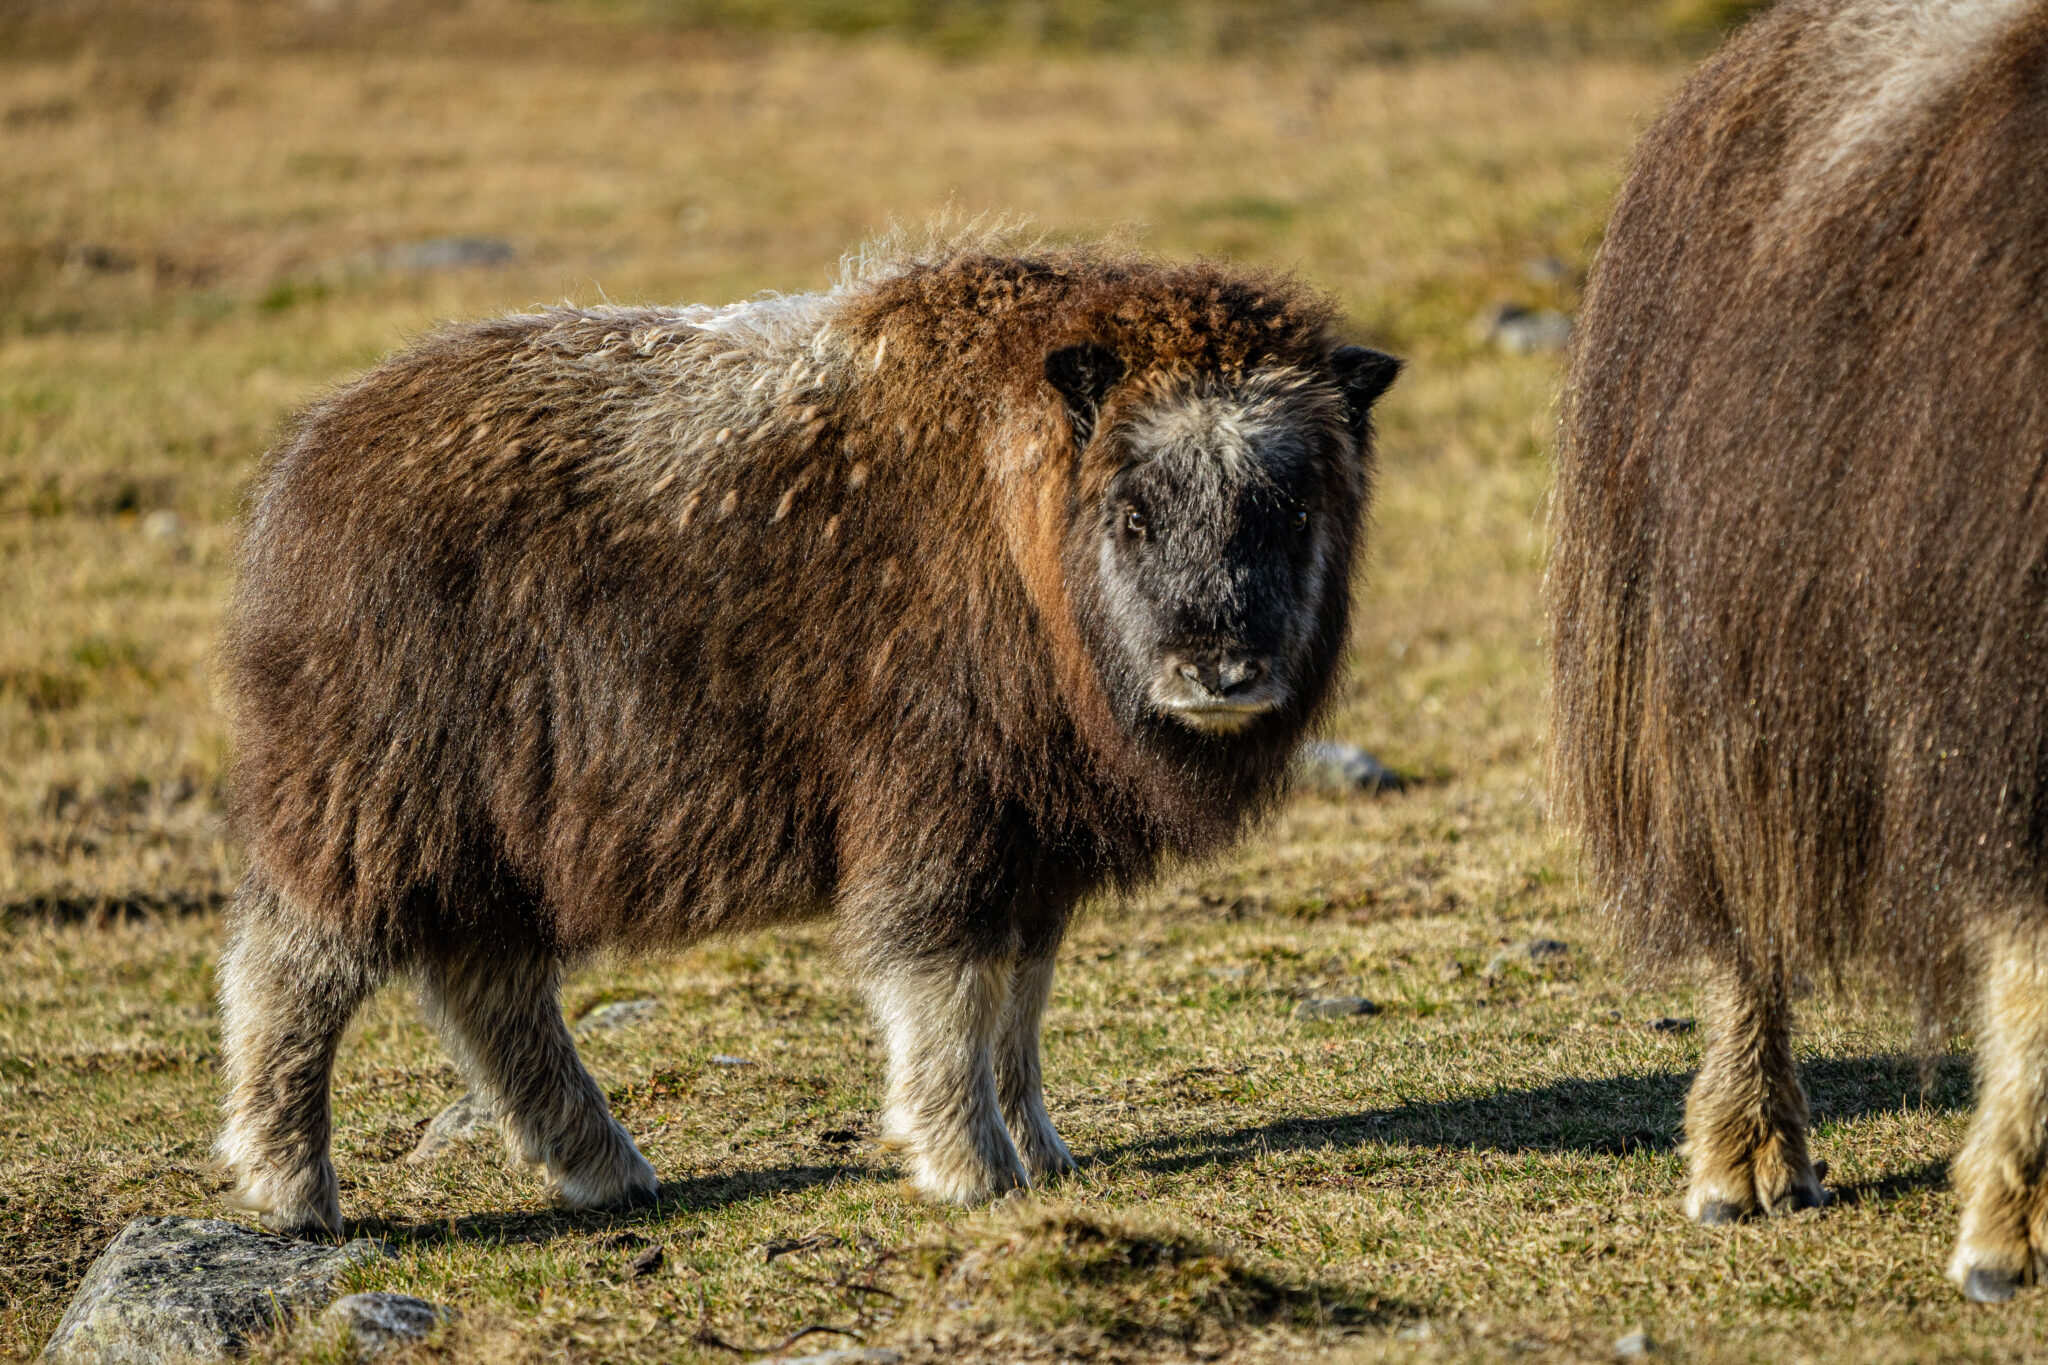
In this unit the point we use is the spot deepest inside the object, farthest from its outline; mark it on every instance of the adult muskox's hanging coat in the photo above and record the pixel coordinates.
(1800, 585)
(931, 603)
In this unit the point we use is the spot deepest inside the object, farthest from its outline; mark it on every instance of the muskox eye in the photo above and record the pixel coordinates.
(1135, 521)
(1299, 519)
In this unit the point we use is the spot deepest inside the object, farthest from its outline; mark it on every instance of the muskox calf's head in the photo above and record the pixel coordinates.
(1211, 538)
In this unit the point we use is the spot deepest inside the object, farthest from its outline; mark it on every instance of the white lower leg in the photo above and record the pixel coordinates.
(2001, 1175)
(1019, 1082)
(504, 1025)
(943, 1107)
(286, 995)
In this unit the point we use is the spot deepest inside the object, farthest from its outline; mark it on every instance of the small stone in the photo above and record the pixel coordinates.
(1521, 330)
(447, 253)
(197, 1288)
(460, 1121)
(1335, 1007)
(380, 1322)
(1330, 766)
(648, 1261)
(618, 1014)
(1418, 1331)
(721, 1059)
(1536, 953)
(163, 524)
(1634, 1345)
(1669, 1023)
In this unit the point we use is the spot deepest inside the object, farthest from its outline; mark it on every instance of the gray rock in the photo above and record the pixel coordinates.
(163, 524)
(1633, 1345)
(1536, 953)
(618, 1014)
(466, 1118)
(1520, 330)
(446, 253)
(1335, 1007)
(860, 1355)
(1331, 766)
(195, 1289)
(379, 1322)
(720, 1059)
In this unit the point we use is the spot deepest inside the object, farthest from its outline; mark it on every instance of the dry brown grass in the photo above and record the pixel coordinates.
(187, 252)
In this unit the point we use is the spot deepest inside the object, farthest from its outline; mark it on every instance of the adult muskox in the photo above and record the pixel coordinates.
(931, 603)
(1800, 586)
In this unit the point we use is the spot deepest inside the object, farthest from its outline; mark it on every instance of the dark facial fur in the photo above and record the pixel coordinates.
(1213, 543)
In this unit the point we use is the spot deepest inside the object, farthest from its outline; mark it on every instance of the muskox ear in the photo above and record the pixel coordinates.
(1363, 375)
(1083, 377)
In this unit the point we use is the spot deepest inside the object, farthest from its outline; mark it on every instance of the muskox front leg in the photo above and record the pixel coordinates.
(1745, 1120)
(942, 1020)
(2001, 1175)
(1019, 1081)
(289, 985)
(501, 1016)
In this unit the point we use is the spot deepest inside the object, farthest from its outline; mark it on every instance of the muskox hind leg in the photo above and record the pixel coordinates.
(500, 1014)
(1019, 1082)
(1745, 1120)
(2001, 1175)
(942, 1020)
(289, 985)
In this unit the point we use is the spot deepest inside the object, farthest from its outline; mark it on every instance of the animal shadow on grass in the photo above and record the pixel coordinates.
(694, 1195)
(1613, 1116)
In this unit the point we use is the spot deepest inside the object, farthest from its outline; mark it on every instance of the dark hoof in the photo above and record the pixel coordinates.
(1799, 1200)
(635, 1199)
(1990, 1286)
(1720, 1211)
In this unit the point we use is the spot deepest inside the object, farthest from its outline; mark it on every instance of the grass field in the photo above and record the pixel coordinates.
(194, 242)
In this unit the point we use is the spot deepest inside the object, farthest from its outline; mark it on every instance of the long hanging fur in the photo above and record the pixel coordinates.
(1800, 635)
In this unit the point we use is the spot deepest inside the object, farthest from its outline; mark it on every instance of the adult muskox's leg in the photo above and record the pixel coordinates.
(1745, 1120)
(2001, 1175)
(1019, 1081)
(499, 1012)
(288, 987)
(942, 1019)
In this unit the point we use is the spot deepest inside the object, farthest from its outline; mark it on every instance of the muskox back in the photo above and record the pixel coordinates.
(1800, 577)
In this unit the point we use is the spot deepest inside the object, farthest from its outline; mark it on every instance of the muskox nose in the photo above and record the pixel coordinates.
(1220, 674)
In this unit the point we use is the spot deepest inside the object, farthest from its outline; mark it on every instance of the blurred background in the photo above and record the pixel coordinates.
(212, 211)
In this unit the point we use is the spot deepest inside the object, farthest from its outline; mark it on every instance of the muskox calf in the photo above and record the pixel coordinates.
(1801, 574)
(931, 604)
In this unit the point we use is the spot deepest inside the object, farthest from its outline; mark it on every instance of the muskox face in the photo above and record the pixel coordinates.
(1216, 525)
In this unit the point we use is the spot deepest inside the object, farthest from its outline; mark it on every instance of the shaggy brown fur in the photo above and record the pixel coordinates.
(629, 625)
(1800, 626)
